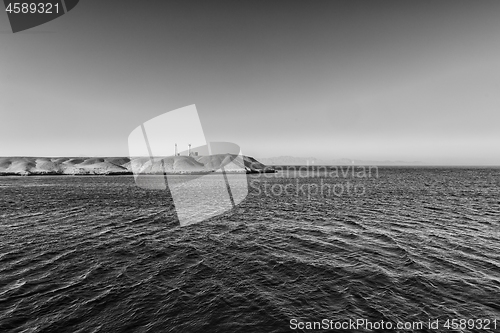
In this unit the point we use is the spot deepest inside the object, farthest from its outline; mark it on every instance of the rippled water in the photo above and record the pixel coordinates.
(98, 254)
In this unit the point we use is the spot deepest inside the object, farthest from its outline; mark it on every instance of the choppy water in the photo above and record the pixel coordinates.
(98, 254)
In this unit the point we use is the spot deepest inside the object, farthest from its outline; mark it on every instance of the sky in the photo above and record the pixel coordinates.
(366, 80)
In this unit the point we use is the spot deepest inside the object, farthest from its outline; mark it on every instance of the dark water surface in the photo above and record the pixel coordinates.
(98, 254)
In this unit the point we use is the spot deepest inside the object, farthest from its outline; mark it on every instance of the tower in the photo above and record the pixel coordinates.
(189, 149)
(175, 150)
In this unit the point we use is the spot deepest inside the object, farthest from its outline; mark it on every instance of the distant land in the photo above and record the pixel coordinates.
(26, 166)
(291, 160)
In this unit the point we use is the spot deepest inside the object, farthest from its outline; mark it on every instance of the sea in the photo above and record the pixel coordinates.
(387, 249)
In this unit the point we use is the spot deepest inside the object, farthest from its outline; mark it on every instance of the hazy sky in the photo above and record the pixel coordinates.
(379, 80)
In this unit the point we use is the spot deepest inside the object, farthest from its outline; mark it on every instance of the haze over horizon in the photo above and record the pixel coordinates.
(363, 80)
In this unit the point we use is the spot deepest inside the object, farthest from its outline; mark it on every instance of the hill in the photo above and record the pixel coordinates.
(25, 166)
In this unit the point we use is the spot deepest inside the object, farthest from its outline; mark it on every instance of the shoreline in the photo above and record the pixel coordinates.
(129, 173)
(113, 166)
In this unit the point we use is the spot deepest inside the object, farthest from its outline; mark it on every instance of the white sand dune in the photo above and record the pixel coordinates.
(123, 165)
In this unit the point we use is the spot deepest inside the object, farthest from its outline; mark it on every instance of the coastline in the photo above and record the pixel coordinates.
(122, 166)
